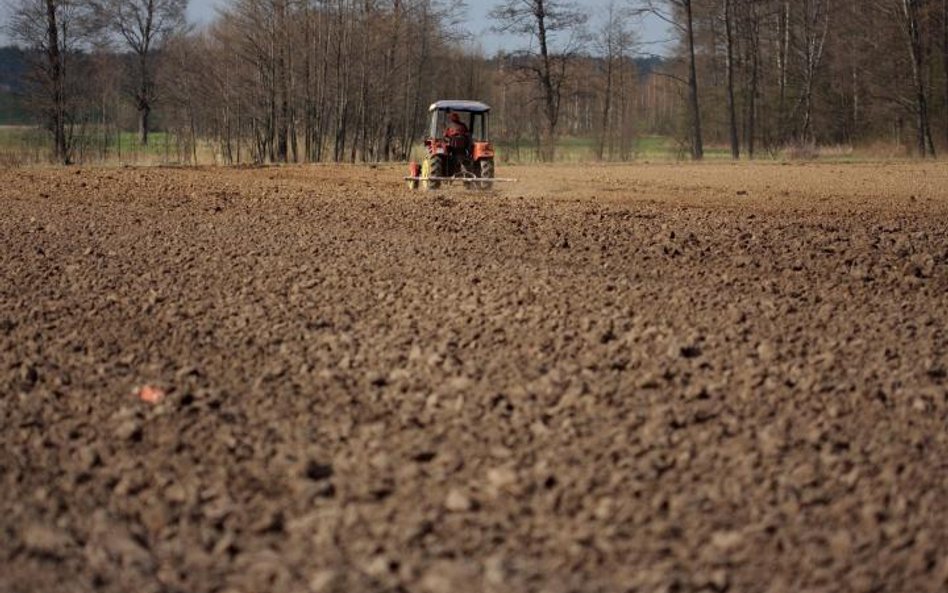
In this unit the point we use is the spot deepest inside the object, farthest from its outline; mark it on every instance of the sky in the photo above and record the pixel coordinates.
(650, 32)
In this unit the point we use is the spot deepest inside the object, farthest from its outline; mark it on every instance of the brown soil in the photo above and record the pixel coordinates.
(639, 378)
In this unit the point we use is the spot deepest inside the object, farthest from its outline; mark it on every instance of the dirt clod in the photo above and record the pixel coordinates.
(317, 471)
(46, 541)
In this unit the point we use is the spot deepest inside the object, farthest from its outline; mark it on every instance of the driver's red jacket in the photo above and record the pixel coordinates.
(456, 129)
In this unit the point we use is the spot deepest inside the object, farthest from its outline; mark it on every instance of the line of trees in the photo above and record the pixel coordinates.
(350, 80)
(312, 80)
(808, 72)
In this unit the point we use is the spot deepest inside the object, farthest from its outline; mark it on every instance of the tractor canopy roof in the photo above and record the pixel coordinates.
(469, 106)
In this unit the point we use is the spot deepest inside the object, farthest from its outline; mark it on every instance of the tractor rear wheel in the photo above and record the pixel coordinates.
(432, 167)
(487, 172)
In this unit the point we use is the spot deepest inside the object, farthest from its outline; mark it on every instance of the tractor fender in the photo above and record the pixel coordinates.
(483, 150)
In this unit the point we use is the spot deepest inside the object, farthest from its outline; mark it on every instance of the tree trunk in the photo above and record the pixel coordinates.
(423, 76)
(924, 142)
(550, 92)
(57, 83)
(281, 71)
(271, 130)
(697, 144)
(143, 99)
(606, 107)
(309, 54)
(387, 127)
(343, 72)
(783, 58)
(854, 75)
(144, 114)
(323, 104)
(815, 30)
(944, 56)
(731, 108)
(753, 42)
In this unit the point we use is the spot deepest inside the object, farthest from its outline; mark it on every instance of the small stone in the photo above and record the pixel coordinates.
(726, 541)
(122, 546)
(322, 581)
(539, 429)
(500, 478)
(719, 580)
(605, 509)
(176, 493)
(449, 577)
(457, 385)
(495, 570)
(87, 458)
(766, 352)
(458, 502)
(378, 567)
(129, 430)
(399, 375)
(501, 452)
(187, 372)
(860, 273)
(42, 540)
(770, 440)
(270, 522)
(841, 545)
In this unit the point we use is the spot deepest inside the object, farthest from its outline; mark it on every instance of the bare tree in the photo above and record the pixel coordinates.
(814, 15)
(143, 26)
(282, 80)
(750, 24)
(545, 22)
(909, 13)
(783, 64)
(729, 51)
(53, 30)
(680, 15)
(613, 44)
(944, 61)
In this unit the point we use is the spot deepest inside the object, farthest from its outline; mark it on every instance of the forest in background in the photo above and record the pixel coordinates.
(351, 80)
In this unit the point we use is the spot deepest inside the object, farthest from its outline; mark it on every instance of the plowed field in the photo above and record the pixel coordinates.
(639, 378)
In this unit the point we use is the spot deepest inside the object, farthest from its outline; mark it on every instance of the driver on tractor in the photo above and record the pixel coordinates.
(456, 127)
(457, 134)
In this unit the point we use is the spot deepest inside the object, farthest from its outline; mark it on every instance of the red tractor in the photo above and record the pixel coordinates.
(457, 148)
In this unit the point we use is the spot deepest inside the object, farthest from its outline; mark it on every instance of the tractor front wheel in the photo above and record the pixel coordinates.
(487, 172)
